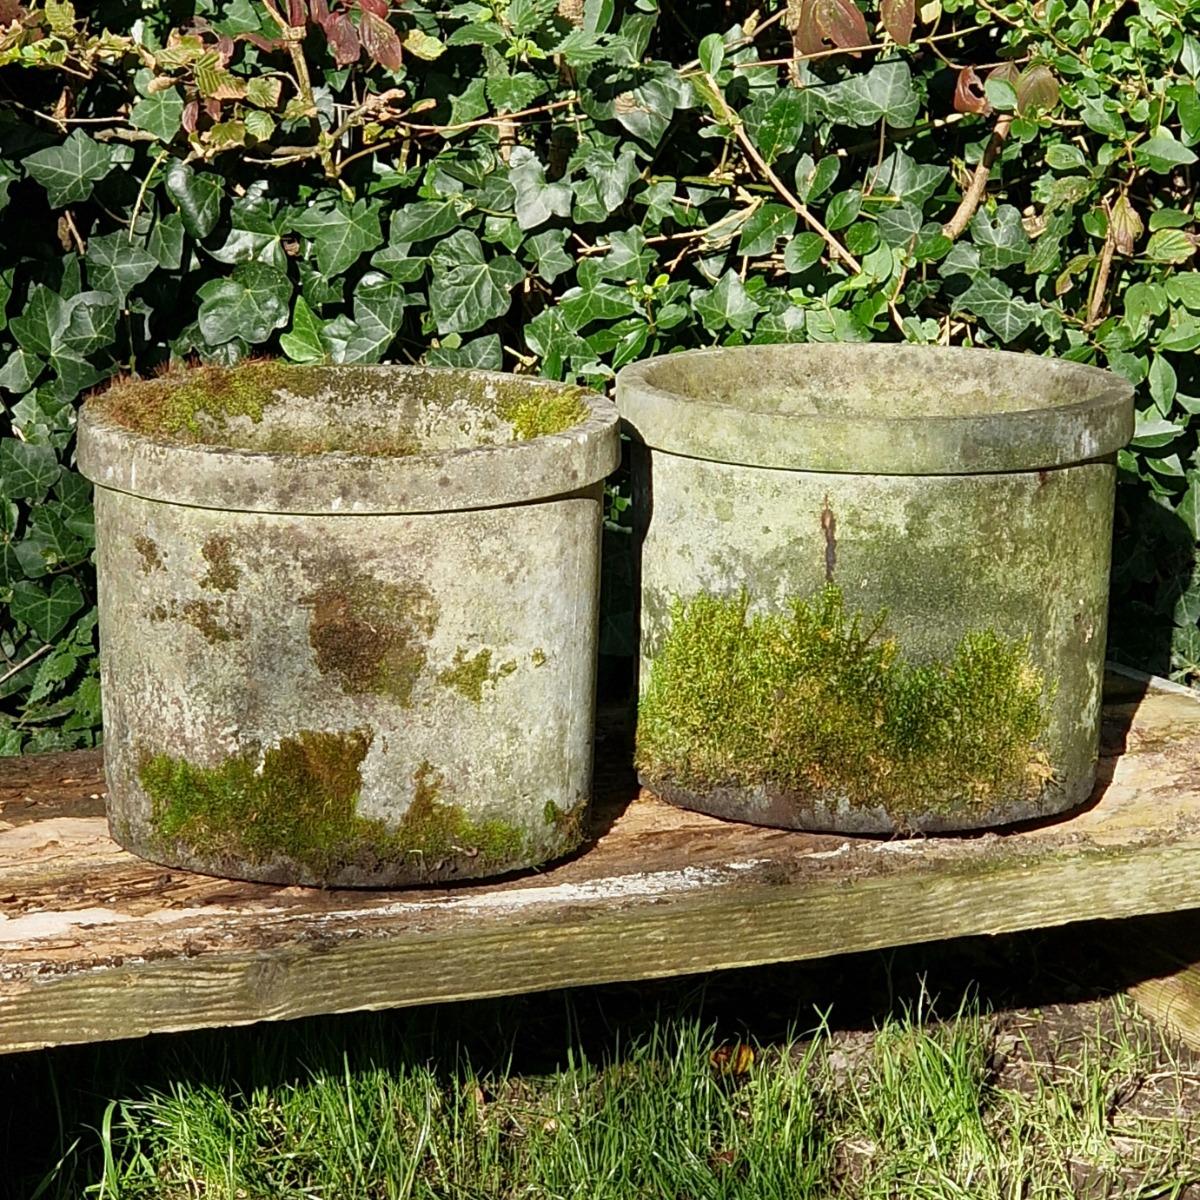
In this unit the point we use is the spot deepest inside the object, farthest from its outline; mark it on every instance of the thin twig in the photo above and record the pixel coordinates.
(25, 662)
(978, 185)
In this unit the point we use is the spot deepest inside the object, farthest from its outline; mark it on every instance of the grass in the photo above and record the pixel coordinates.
(594, 1095)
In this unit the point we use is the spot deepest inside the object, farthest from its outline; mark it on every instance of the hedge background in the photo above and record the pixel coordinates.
(563, 187)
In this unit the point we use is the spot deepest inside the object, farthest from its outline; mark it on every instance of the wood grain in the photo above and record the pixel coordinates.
(96, 944)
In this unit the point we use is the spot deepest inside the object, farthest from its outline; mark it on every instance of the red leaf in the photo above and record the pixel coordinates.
(212, 106)
(378, 7)
(10, 11)
(319, 10)
(969, 96)
(225, 48)
(899, 17)
(343, 39)
(296, 13)
(380, 40)
(191, 114)
(268, 45)
(806, 38)
(1037, 90)
(840, 23)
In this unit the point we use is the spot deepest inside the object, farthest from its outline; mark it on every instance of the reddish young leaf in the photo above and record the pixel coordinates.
(969, 96)
(296, 14)
(840, 23)
(212, 106)
(1006, 72)
(191, 114)
(380, 40)
(378, 7)
(1037, 90)
(225, 48)
(319, 11)
(268, 45)
(343, 39)
(10, 11)
(806, 38)
(899, 17)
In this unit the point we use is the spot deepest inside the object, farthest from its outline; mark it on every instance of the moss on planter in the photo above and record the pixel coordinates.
(298, 801)
(150, 554)
(820, 703)
(223, 573)
(371, 635)
(468, 674)
(535, 412)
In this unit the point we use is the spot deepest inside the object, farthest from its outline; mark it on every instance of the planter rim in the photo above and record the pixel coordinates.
(338, 482)
(1086, 413)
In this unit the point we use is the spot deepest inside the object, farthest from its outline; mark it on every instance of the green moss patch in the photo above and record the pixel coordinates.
(820, 703)
(468, 674)
(534, 412)
(150, 554)
(371, 635)
(185, 403)
(298, 801)
(223, 573)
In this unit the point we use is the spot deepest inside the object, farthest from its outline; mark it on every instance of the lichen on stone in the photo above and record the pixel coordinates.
(536, 411)
(223, 573)
(149, 552)
(821, 704)
(205, 616)
(298, 801)
(469, 672)
(371, 635)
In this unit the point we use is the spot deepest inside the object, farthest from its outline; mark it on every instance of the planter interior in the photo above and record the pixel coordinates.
(873, 582)
(348, 618)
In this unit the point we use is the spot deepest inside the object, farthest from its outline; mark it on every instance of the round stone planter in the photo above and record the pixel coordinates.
(348, 618)
(874, 582)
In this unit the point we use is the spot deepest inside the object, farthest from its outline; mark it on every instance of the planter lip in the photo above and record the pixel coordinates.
(672, 417)
(339, 482)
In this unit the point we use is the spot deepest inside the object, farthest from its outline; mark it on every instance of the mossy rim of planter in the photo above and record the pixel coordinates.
(274, 437)
(881, 409)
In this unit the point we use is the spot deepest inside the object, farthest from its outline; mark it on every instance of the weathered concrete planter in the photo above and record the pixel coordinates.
(874, 582)
(348, 618)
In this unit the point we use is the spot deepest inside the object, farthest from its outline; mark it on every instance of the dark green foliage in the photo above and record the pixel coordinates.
(819, 702)
(562, 190)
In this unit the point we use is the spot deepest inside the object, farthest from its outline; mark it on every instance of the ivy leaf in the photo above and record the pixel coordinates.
(537, 201)
(423, 220)
(165, 242)
(250, 304)
(19, 372)
(1164, 152)
(727, 304)
(116, 266)
(69, 171)
(765, 227)
(549, 254)
(885, 93)
(340, 233)
(481, 354)
(1002, 240)
(46, 610)
(646, 111)
(900, 225)
(913, 182)
(26, 470)
(8, 176)
(775, 121)
(992, 301)
(469, 289)
(302, 343)
(160, 114)
(197, 196)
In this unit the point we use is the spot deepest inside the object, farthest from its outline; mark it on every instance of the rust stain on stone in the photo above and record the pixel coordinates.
(829, 528)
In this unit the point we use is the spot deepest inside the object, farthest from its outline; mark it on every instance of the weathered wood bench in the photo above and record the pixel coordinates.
(96, 944)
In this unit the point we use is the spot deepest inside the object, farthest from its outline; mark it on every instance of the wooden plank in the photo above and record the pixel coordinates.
(96, 944)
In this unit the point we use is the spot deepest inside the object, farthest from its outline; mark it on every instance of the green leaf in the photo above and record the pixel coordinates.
(814, 179)
(727, 304)
(116, 265)
(537, 201)
(908, 180)
(165, 242)
(1063, 156)
(802, 251)
(548, 251)
(197, 196)
(885, 92)
(19, 372)
(1002, 240)
(468, 289)
(843, 209)
(340, 233)
(1163, 384)
(1103, 118)
(1184, 288)
(1164, 152)
(69, 171)
(250, 304)
(1170, 245)
(160, 114)
(992, 301)
(480, 354)
(422, 220)
(774, 122)
(302, 343)
(765, 227)
(26, 471)
(901, 225)
(46, 609)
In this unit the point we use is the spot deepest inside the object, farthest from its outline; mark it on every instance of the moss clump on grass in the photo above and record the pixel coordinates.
(535, 411)
(817, 702)
(298, 801)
